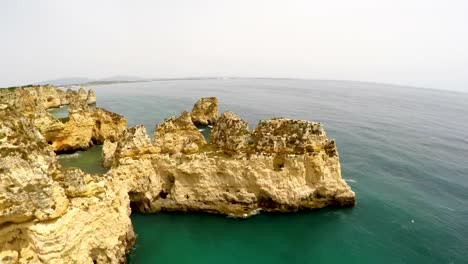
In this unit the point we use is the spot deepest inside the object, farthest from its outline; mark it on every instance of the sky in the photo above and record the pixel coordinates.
(421, 43)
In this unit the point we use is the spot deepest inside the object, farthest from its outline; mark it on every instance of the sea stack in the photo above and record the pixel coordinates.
(82, 94)
(283, 165)
(205, 111)
(91, 99)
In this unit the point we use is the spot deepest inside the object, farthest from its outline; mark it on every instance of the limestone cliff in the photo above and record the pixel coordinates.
(50, 215)
(205, 111)
(85, 127)
(82, 128)
(282, 165)
(48, 95)
(27, 192)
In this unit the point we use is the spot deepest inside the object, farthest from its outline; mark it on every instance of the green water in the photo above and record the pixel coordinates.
(59, 112)
(88, 161)
(402, 150)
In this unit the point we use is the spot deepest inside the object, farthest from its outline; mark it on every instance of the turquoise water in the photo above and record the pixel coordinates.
(59, 112)
(403, 151)
(89, 161)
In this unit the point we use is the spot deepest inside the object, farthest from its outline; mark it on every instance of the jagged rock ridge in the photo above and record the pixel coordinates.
(282, 165)
(83, 127)
(52, 215)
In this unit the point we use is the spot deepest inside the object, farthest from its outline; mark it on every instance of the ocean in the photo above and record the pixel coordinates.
(404, 151)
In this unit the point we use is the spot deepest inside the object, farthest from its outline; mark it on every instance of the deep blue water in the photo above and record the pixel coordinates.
(404, 151)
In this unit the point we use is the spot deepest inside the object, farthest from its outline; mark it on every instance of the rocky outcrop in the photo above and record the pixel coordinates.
(69, 94)
(108, 150)
(82, 94)
(27, 192)
(91, 99)
(49, 96)
(50, 215)
(134, 142)
(178, 135)
(282, 165)
(231, 134)
(107, 125)
(205, 111)
(53, 215)
(84, 127)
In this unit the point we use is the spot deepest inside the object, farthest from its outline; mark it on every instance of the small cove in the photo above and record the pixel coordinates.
(89, 161)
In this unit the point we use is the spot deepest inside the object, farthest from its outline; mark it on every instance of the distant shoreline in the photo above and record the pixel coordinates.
(93, 83)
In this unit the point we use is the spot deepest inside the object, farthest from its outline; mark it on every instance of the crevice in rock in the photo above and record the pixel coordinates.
(139, 202)
(67, 150)
(278, 162)
(163, 194)
(266, 202)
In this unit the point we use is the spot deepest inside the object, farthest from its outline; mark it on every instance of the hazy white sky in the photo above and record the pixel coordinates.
(414, 42)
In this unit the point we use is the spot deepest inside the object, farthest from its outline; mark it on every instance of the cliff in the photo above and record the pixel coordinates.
(48, 96)
(82, 128)
(51, 215)
(282, 165)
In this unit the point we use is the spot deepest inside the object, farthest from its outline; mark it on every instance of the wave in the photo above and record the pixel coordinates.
(69, 156)
(246, 215)
(350, 180)
(448, 208)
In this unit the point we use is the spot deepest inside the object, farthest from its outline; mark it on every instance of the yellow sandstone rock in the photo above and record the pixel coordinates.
(205, 111)
(50, 215)
(53, 215)
(283, 165)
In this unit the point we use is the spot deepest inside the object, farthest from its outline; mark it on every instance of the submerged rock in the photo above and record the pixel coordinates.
(205, 111)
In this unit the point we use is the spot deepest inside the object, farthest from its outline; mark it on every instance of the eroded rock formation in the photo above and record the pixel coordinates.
(82, 94)
(50, 215)
(82, 128)
(282, 165)
(205, 111)
(53, 215)
(48, 95)
(91, 99)
(177, 135)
